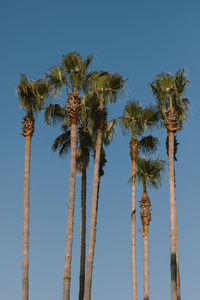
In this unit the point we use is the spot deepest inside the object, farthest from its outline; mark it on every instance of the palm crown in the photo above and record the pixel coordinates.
(149, 172)
(169, 91)
(32, 94)
(136, 120)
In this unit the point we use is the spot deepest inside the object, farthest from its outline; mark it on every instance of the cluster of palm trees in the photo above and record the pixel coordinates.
(85, 130)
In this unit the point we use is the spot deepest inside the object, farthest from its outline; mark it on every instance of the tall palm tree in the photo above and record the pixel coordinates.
(31, 98)
(169, 92)
(149, 174)
(85, 145)
(136, 120)
(72, 74)
(105, 89)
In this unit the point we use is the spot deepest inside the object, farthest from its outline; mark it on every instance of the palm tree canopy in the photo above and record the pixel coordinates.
(105, 86)
(62, 142)
(136, 120)
(32, 94)
(55, 113)
(149, 172)
(148, 144)
(76, 68)
(169, 91)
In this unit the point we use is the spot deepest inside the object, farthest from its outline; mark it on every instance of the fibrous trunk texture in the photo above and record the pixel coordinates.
(171, 117)
(70, 217)
(145, 214)
(93, 219)
(25, 247)
(172, 199)
(83, 234)
(134, 152)
(28, 130)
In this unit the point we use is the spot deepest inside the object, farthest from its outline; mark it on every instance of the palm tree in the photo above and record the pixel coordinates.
(85, 144)
(31, 98)
(149, 174)
(136, 120)
(105, 89)
(72, 74)
(169, 92)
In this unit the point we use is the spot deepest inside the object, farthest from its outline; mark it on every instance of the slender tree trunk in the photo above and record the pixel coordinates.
(83, 234)
(146, 265)
(25, 256)
(70, 217)
(177, 258)
(172, 198)
(93, 219)
(133, 234)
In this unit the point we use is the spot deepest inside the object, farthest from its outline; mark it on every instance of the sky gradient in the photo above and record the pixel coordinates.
(137, 39)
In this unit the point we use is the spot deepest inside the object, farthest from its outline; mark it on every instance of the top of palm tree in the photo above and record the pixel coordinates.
(105, 87)
(32, 93)
(169, 91)
(149, 172)
(136, 120)
(72, 73)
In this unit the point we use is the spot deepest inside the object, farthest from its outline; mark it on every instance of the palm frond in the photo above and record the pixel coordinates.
(131, 119)
(56, 79)
(62, 143)
(149, 172)
(148, 144)
(76, 68)
(32, 94)
(55, 113)
(109, 132)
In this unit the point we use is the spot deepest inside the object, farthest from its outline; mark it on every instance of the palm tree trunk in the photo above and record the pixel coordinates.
(70, 217)
(25, 255)
(133, 234)
(83, 233)
(177, 258)
(93, 219)
(172, 198)
(146, 265)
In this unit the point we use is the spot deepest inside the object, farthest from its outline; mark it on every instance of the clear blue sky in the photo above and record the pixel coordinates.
(137, 39)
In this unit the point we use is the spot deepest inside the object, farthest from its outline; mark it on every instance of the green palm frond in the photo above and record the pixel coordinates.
(149, 172)
(106, 86)
(169, 91)
(109, 132)
(150, 116)
(55, 113)
(76, 68)
(62, 143)
(131, 119)
(32, 94)
(56, 79)
(148, 144)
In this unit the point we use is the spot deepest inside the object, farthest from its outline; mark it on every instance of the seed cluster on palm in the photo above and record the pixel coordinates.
(86, 131)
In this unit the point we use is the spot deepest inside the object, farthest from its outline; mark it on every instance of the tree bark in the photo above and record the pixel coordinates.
(70, 217)
(177, 258)
(83, 234)
(172, 198)
(146, 266)
(25, 255)
(133, 234)
(93, 219)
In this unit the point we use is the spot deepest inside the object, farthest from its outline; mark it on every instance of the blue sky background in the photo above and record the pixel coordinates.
(137, 39)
